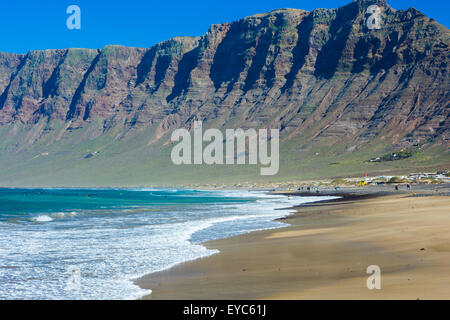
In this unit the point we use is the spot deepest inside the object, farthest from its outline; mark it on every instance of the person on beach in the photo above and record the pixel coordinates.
(396, 188)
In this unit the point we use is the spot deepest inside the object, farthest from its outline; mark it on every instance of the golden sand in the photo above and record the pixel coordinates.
(324, 254)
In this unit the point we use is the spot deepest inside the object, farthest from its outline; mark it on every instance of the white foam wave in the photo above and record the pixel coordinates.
(61, 215)
(42, 218)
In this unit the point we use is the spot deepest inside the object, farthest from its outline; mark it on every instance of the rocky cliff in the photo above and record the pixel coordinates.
(336, 89)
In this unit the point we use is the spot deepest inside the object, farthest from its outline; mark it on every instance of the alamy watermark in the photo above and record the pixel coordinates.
(74, 280)
(74, 20)
(186, 152)
(374, 281)
(374, 22)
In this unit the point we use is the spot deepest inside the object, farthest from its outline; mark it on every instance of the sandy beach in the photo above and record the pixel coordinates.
(324, 254)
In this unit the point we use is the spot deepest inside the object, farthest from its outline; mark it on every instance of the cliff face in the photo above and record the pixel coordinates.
(322, 77)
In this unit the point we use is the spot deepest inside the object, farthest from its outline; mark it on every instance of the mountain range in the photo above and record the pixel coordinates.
(340, 93)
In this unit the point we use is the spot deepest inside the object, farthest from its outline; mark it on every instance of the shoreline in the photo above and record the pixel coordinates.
(301, 261)
(281, 217)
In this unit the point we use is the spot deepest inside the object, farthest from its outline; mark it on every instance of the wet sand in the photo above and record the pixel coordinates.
(324, 254)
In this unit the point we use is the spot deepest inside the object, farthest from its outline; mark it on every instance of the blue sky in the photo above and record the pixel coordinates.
(30, 25)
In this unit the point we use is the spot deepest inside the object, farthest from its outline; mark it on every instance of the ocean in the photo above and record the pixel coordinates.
(92, 243)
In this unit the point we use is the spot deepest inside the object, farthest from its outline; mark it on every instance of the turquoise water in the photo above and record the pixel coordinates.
(91, 244)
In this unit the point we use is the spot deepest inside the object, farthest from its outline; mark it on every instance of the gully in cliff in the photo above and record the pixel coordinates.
(213, 153)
